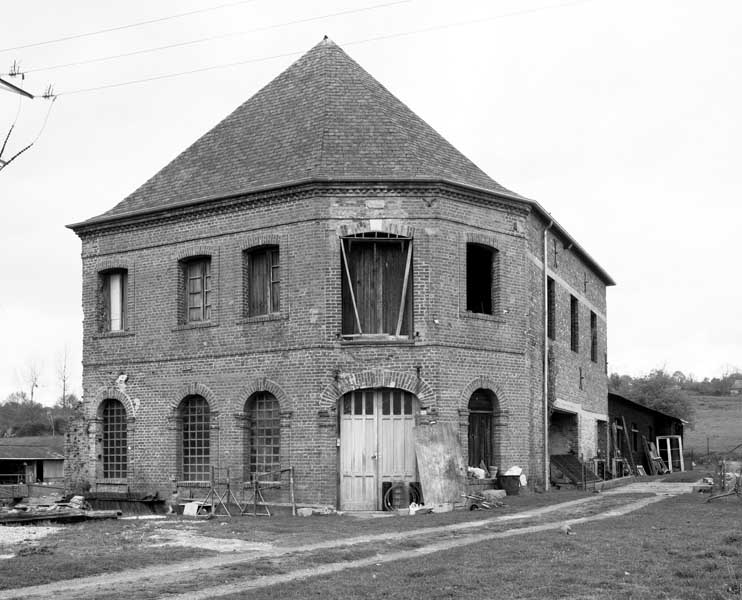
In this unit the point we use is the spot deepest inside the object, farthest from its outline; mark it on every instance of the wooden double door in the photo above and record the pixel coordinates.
(376, 444)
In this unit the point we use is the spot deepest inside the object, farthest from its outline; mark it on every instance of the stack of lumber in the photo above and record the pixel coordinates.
(49, 509)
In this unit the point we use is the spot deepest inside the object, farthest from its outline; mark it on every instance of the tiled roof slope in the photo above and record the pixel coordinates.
(322, 118)
(32, 448)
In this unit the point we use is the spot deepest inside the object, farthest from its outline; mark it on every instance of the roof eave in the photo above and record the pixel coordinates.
(546, 215)
(104, 219)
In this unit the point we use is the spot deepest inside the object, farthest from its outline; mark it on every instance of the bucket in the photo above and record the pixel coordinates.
(510, 483)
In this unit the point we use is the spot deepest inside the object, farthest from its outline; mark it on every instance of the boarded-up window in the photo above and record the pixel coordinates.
(264, 416)
(263, 281)
(481, 410)
(113, 300)
(480, 266)
(114, 440)
(377, 285)
(195, 444)
(197, 276)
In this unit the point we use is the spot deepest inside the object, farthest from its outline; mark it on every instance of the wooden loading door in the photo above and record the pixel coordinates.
(376, 445)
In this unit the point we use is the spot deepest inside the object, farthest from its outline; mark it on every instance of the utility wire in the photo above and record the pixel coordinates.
(214, 37)
(127, 26)
(348, 43)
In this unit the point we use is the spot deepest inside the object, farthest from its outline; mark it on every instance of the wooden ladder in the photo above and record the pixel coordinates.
(629, 453)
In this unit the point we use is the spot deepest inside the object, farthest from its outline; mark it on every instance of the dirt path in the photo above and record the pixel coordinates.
(159, 581)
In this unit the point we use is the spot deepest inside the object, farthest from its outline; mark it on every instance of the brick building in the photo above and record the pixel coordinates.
(310, 277)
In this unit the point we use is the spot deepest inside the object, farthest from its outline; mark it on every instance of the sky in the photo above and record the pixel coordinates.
(621, 118)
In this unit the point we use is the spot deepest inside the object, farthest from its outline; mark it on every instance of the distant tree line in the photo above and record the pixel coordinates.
(21, 416)
(658, 390)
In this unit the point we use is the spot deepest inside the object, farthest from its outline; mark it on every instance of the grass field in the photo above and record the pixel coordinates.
(718, 420)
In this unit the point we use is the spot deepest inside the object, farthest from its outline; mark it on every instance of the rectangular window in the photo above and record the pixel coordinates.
(263, 281)
(551, 308)
(574, 323)
(377, 285)
(480, 262)
(113, 297)
(198, 290)
(593, 337)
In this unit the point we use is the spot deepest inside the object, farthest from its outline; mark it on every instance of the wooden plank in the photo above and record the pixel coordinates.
(650, 459)
(350, 287)
(403, 300)
(629, 452)
(440, 463)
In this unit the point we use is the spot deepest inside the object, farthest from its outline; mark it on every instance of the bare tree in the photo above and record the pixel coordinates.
(63, 374)
(30, 376)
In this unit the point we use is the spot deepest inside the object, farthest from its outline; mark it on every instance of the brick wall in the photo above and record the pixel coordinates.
(577, 383)
(298, 354)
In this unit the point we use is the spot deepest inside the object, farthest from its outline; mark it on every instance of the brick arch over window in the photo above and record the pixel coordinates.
(263, 384)
(382, 225)
(484, 383)
(378, 378)
(193, 389)
(107, 392)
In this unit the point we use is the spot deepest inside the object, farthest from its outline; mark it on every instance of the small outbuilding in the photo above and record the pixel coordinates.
(631, 424)
(37, 459)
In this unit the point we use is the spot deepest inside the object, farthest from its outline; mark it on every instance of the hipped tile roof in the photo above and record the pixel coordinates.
(323, 118)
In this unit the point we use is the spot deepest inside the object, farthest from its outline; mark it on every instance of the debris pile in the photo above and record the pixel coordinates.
(49, 508)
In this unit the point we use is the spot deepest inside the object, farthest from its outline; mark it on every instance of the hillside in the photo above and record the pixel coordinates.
(718, 418)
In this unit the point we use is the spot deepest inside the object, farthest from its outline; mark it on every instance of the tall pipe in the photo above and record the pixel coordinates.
(546, 359)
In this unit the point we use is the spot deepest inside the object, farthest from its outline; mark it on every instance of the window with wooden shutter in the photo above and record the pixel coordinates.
(377, 285)
(263, 281)
(113, 300)
(198, 293)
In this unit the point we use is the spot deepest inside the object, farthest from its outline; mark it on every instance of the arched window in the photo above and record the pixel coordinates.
(194, 439)
(481, 409)
(264, 433)
(114, 440)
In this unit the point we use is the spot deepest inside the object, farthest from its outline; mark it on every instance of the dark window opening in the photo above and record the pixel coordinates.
(634, 438)
(551, 308)
(593, 337)
(480, 432)
(377, 285)
(198, 291)
(263, 281)
(195, 443)
(112, 300)
(480, 263)
(574, 313)
(264, 416)
(114, 440)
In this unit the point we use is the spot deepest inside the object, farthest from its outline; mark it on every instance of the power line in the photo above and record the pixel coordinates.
(214, 37)
(348, 43)
(127, 26)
